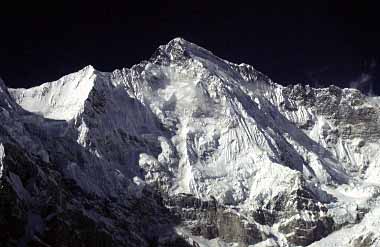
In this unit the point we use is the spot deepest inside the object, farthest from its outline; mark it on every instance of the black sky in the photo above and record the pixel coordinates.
(319, 44)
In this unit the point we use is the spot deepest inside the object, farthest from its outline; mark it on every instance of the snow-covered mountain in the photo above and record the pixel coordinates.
(188, 149)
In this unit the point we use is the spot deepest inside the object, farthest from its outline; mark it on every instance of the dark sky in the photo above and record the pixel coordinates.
(319, 44)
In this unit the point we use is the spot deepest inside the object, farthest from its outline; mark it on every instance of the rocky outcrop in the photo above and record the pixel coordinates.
(364, 240)
(211, 220)
(301, 232)
(347, 108)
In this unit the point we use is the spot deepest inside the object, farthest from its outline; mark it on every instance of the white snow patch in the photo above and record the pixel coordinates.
(136, 187)
(201, 241)
(2, 156)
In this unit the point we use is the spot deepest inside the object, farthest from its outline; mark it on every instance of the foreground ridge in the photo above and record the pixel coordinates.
(187, 149)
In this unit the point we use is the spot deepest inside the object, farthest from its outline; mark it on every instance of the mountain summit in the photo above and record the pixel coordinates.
(188, 149)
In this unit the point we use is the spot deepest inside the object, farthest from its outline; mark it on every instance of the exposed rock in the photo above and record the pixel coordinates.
(301, 232)
(210, 220)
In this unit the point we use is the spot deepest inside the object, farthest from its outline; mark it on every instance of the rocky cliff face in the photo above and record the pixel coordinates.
(187, 149)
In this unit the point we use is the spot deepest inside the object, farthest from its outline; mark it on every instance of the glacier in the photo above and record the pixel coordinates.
(215, 153)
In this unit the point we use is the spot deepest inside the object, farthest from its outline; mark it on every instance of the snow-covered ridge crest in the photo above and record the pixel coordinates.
(61, 99)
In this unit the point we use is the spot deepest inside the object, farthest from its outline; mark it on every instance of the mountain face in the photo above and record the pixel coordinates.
(187, 149)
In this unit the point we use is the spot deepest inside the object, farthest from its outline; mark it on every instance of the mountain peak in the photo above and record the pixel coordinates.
(178, 40)
(187, 45)
(61, 99)
(88, 69)
(179, 49)
(219, 141)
